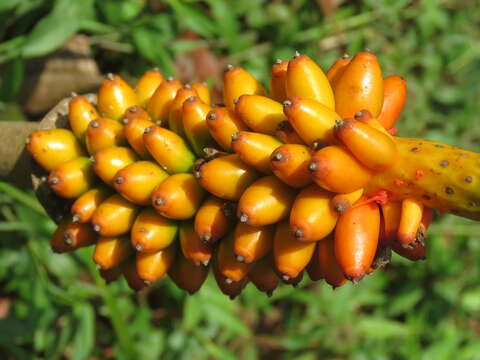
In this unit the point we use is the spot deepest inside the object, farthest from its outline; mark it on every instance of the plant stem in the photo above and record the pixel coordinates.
(119, 325)
(22, 197)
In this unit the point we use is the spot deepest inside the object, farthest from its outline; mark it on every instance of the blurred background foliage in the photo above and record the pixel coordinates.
(57, 307)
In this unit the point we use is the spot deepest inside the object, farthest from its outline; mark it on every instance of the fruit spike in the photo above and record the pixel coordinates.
(338, 194)
(441, 176)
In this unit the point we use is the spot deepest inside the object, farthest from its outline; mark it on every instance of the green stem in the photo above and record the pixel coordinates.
(57, 293)
(12, 43)
(22, 197)
(14, 226)
(120, 327)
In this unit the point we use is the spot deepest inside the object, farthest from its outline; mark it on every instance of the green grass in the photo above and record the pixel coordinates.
(60, 308)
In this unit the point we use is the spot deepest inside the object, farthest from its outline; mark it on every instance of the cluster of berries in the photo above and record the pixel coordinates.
(307, 176)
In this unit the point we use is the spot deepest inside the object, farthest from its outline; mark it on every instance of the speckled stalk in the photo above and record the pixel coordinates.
(444, 177)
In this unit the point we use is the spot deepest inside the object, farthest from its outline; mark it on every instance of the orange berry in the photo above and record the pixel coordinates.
(84, 207)
(194, 114)
(260, 113)
(159, 104)
(186, 275)
(70, 236)
(112, 274)
(265, 202)
(103, 133)
(278, 78)
(255, 149)
(51, 148)
(203, 92)
(314, 268)
(152, 266)
(410, 219)
(238, 82)
(263, 275)
(342, 202)
(227, 263)
(335, 169)
(193, 248)
(213, 219)
(391, 213)
(147, 84)
(175, 122)
(212, 175)
(356, 239)
(251, 243)
(222, 124)
(114, 97)
(311, 217)
(365, 117)
(371, 147)
(312, 121)
(115, 216)
(80, 113)
(136, 121)
(291, 256)
(394, 98)
(135, 112)
(336, 70)
(136, 181)
(168, 149)
(73, 178)
(287, 134)
(360, 86)
(107, 162)
(111, 251)
(152, 232)
(130, 273)
(290, 163)
(230, 288)
(178, 197)
(329, 266)
(306, 79)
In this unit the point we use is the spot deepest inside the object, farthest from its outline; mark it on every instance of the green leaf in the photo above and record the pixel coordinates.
(222, 316)
(56, 28)
(62, 266)
(96, 27)
(405, 302)
(193, 18)
(62, 339)
(143, 38)
(85, 336)
(216, 351)
(380, 328)
(43, 337)
(22, 197)
(152, 344)
(6, 5)
(192, 312)
(119, 12)
(26, 6)
(227, 24)
(470, 300)
(12, 79)
(13, 226)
